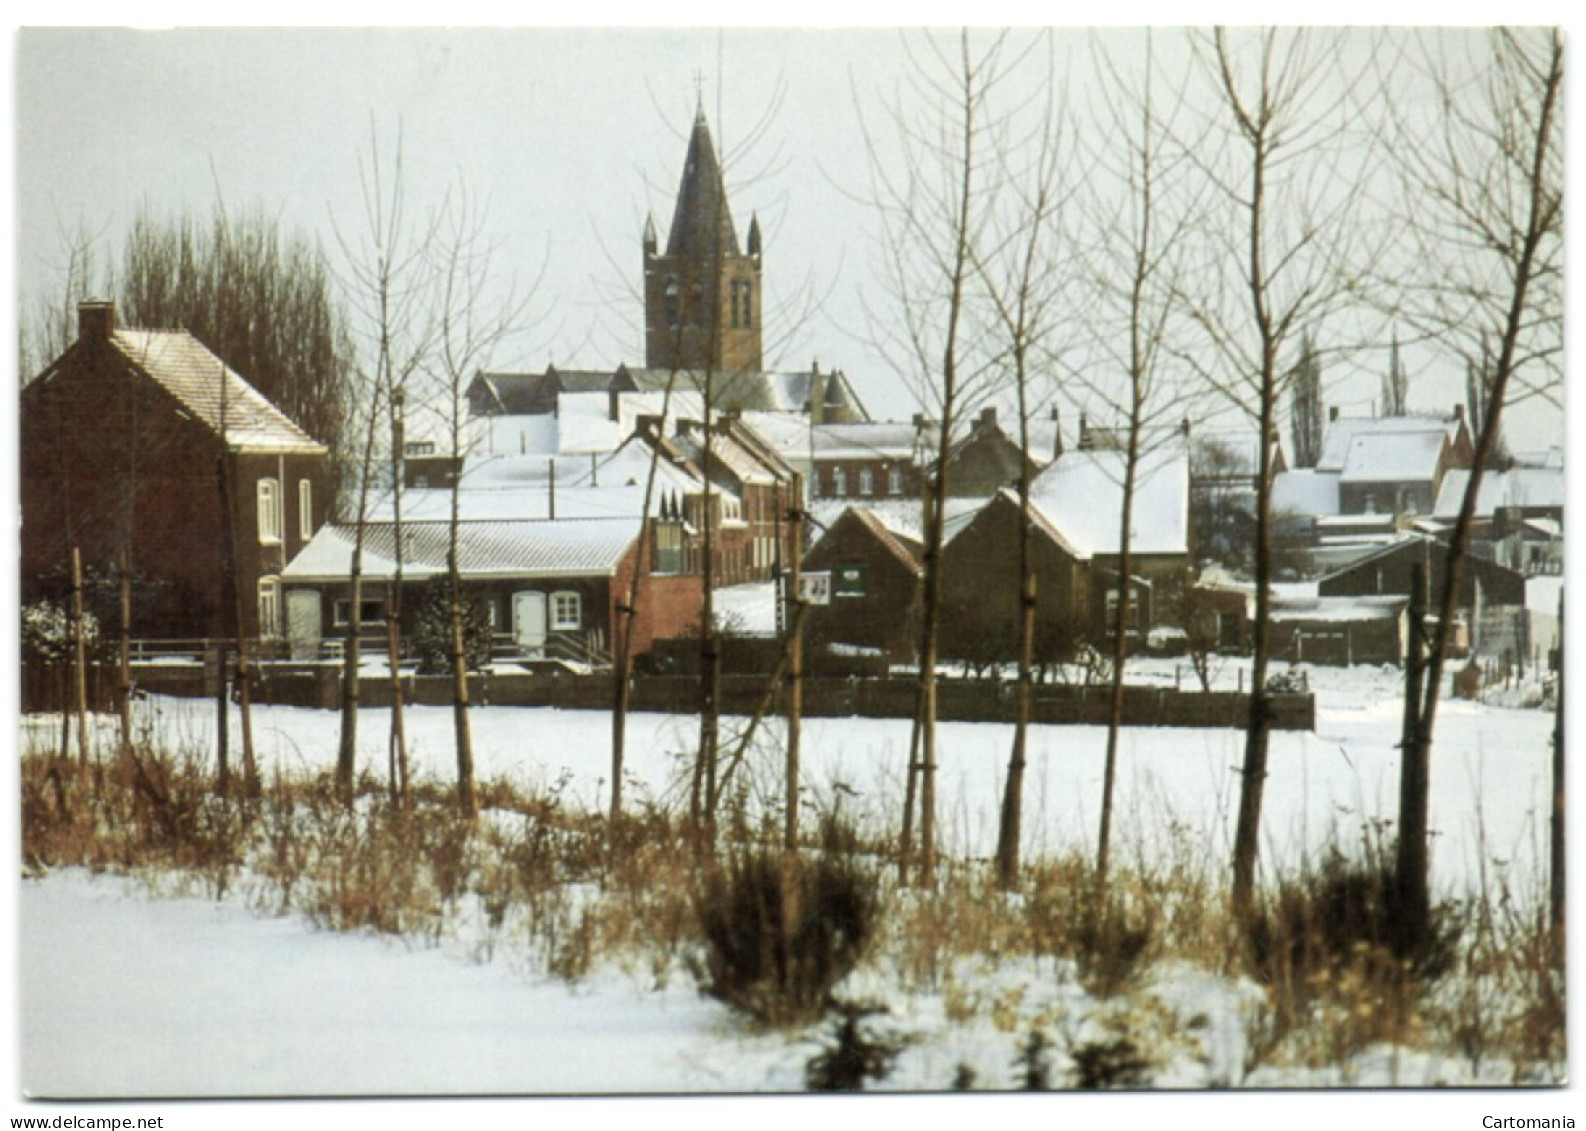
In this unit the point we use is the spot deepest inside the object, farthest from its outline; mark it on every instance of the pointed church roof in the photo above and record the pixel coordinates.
(702, 222)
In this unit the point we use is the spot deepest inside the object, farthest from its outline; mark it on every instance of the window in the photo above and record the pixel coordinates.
(419, 448)
(269, 510)
(867, 481)
(849, 580)
(748, 306)
(567, 610)
(669, 548)
(894, 481)
(1370, 505)
(731, 509)
(269, 607)
(839, 482)
(369, 612)
(305, 509)
(671, 304)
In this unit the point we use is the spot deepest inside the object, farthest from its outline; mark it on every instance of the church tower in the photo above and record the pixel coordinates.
(702, 296)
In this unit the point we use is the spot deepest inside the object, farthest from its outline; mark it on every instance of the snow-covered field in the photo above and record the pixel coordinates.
(122, 996)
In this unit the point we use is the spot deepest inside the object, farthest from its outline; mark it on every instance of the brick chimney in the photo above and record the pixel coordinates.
(1459, 412)
(96, 320)
(1332, 412)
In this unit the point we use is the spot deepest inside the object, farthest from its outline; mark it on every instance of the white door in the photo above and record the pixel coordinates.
(303, 625)
(528, 622)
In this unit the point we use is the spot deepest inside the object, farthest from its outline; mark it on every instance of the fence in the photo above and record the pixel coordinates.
(958, 700)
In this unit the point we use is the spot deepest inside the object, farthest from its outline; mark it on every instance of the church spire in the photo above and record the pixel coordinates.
(702, 221)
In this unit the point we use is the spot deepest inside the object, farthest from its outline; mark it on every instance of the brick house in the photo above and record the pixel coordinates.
(875, 592)
(143, 441)
(552, 587)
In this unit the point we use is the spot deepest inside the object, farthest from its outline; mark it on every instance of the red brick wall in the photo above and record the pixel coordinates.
(105, 452)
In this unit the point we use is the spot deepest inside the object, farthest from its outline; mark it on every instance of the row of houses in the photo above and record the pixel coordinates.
(141, 443)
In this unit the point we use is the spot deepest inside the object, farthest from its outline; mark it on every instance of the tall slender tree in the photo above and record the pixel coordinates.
(933, 206)
(1286, 245)
(1482, 167)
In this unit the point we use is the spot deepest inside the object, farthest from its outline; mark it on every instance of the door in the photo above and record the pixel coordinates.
(528, 622)
(303, 625)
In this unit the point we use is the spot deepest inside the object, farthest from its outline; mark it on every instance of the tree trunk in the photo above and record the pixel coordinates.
(1247, 832)
(1556, 890)
(124, 692)
(1411, 864)
(795, 702)
(79, 659)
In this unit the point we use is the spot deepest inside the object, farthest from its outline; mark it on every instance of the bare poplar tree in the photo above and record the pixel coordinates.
(1305, 405)
(472, 317)
(1284, 244)
(386, 272)
(932, 206)
(1020, 273)
(1482, 167)
(1133, 254)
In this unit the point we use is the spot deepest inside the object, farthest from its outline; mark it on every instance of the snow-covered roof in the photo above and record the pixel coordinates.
(1517, 487)
(1336, 609)
(1389, 456)
(213, 392)
(563, 548)
(1305, 491)
(901, 516)
(1081, 494)
(1342, 433)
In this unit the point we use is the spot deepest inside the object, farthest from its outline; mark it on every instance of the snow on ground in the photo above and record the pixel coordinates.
(748, 609)
(1177, 788)
(123, 996)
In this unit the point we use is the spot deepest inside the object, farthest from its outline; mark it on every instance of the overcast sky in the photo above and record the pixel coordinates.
(570, 135)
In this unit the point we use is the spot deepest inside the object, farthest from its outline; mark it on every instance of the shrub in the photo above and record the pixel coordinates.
(1115, 1063)
(853, 1055)
(779, 934)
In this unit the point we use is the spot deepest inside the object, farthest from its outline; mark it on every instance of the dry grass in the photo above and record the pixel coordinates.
(550, 885)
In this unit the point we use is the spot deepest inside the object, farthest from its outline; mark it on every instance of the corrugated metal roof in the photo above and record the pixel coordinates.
(212, 392)
(561, 548)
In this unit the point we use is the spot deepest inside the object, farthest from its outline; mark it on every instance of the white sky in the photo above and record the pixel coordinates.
(569, 134)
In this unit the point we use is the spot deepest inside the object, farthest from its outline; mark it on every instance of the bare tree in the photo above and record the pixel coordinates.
(386, 271)
(473, 316)
(1483, 177)
(1287, 176)
(1305, 404)
(1020, 276)
(1138, 219)
(933, 206)
(1395, 383)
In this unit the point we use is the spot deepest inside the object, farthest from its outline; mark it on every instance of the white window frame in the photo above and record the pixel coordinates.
(305, 508)
(839, 482)
(269, 498)
(560, 618)
(894, 481)
(867, 481)
(269, 598)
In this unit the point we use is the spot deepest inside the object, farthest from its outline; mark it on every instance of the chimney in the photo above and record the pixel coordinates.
(1084, 434)
(1057, 434)
(96, 320)
(613, 405)
(988, 419)
(648, 425)
(1332, 412)
(1185, 427)
(1459, 412)
(817, 394)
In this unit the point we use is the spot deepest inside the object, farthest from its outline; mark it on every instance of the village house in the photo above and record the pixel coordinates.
(1076, 509)
(1374, 478)
(1490, 604)
(144, 442)
(875, 571)
(551, 589)
(1519, 515)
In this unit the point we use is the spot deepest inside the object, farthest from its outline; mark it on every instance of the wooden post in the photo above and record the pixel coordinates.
(1556, 830)
(222, 735)
(124, 694)
(1411, 864)
(79, 658)
(795, 701)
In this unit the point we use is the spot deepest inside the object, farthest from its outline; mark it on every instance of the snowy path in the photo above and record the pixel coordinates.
(210, 1000)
